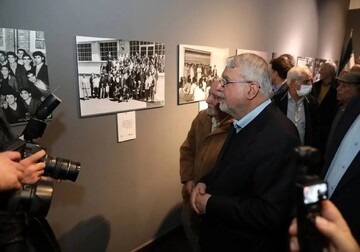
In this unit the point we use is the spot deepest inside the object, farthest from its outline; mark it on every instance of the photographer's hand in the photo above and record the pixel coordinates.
(333, 226)
(33, 168)
(11, 170)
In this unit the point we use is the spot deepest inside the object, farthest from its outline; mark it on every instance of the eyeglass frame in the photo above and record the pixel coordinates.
(223, 82)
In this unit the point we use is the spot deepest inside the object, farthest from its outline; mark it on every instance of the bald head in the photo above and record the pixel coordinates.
(328, 71)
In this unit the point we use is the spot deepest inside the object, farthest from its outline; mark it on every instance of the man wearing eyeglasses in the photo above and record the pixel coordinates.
(299, 106)
(245, 202)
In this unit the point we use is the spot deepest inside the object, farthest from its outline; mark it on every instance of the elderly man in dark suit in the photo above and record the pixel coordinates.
(245, 202)
(342, 160)
(324, 91)
(299, 106)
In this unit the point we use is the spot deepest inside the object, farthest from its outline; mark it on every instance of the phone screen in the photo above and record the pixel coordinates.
(315, 193)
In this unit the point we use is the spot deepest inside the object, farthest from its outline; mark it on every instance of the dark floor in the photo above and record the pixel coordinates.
(174, 241)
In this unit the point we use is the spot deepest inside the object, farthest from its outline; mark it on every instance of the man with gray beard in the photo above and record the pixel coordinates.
(246, 201)
(198, 154)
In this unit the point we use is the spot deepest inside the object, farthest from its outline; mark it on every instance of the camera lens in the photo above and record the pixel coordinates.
(60, 168)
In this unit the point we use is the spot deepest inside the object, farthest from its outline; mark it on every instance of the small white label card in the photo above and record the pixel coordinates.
(126, 126)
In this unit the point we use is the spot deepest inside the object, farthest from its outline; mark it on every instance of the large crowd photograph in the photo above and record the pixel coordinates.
(118, 75)
(24, 80)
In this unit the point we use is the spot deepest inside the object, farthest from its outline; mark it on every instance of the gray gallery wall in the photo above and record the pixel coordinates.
(129, 193)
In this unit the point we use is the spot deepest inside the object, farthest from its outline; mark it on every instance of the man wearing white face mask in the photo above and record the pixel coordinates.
(299, 106)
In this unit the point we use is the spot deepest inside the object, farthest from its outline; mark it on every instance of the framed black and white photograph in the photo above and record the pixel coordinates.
(198, 66)
(116, 75)
(306, 61)
(24, 80)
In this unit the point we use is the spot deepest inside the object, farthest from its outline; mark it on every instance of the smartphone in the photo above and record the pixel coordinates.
(309, 206)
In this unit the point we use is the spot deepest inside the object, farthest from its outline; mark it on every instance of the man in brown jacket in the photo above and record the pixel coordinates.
(198, 155)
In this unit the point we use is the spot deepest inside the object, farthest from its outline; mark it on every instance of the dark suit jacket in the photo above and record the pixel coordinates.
(327, 111)
(283, 88)
(20, 75)
(311, 108)
(42, 74)
(346, 194)
(251, 187)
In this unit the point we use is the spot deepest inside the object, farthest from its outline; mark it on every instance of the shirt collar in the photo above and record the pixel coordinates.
(240, 124)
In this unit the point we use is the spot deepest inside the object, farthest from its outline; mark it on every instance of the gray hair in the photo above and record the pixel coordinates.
(297, 73)
(253, 68)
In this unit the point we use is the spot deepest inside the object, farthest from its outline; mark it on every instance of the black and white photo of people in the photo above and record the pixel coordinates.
(124, 78)
(198, 67)
(127, 77)
(194, 85)
(24, 83)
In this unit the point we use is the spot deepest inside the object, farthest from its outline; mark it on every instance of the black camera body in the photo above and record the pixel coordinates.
(35, 199)
(56, 168)
(310, 192)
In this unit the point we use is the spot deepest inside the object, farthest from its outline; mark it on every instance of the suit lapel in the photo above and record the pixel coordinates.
(351, 172)
(241, 140)
(348, 117)
(218, 163)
